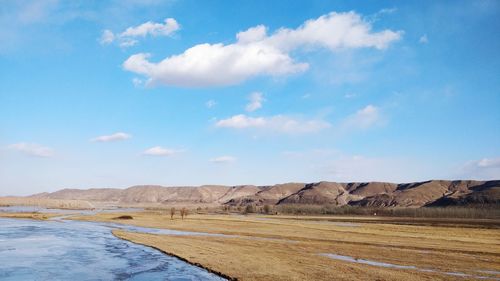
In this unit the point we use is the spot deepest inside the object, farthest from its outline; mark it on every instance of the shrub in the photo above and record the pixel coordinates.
(249, 209)
(124, 217)
(172, 213)
(423, 212)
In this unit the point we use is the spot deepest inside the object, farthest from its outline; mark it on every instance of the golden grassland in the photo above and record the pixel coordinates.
(289, 247)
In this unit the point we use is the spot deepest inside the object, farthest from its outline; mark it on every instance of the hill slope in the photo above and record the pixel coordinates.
(377, 194)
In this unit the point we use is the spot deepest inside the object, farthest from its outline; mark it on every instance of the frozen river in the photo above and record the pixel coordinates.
(72, 250)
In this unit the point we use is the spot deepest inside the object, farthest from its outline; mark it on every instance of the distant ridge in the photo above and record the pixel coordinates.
(376, 194)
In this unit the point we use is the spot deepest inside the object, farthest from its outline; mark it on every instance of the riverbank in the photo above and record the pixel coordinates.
(33, 216)
(294, 247)
(76, 250)
(257, 247)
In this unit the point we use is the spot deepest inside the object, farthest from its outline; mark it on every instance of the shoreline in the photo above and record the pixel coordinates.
(116, 233)
(258, 247)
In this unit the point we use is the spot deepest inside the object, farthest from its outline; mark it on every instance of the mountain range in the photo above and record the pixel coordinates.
(374, 194)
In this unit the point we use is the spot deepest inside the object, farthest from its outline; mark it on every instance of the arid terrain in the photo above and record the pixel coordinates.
(434, 230)
(280, 247)
(374, 194)
(296, 247)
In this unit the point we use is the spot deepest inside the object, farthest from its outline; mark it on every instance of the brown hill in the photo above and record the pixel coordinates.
(267, 195)
(93, 194)
(320, 193)
(378, 194)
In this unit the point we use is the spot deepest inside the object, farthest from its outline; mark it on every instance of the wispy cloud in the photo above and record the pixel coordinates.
(423, 39)
(273, 124)
(257, 53)
(161, 151)
(210, 103)
(256, 100)
(485, 168)
(129, 37)
(32, 149)
(488, 163)
(363, 118)
(223, 159)
(114, 137)
(350, 95)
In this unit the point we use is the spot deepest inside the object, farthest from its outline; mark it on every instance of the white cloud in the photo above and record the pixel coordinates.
(423, 39)
(485, 169)
(273, 124)
(152, 28)
(241, 121)
(350, 95)
(387, 11)
(363, 118)
(114, 137)
(334, 31)
(128, 37)
(160, 151)
(210, 103)
(489, 163)
(214, 65)
(127, 42)
(256, 100)
(382, 12)
(336, 165)
(137, 82)
(32, 149)
(358, 168)
(223, 159)
(107, 37)
(255, 53)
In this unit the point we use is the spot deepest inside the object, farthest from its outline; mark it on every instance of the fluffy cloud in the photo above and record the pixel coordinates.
(256, 100)
(114, 137)
(223, 159)
(363, 118)
(242, 121)
(32, 149)
(256, 53)
(160, 151)
(277, 123)
(127, 37)
(151, 28)
(214, 65)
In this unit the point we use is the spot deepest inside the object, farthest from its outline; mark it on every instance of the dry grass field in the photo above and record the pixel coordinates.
(290, 247)
(46, 203)
(32, 216)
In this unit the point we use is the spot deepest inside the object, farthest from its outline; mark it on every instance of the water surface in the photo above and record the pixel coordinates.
(72, 250)
(411, 267)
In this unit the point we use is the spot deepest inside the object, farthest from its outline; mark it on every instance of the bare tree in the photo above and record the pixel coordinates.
(184, 212)
(249, 209)
(172, 213)
(267, 209)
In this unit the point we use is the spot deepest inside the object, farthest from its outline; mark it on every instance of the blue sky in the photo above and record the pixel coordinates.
(118, 93)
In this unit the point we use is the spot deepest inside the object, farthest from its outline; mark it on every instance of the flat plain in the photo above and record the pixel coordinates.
(259, 247)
